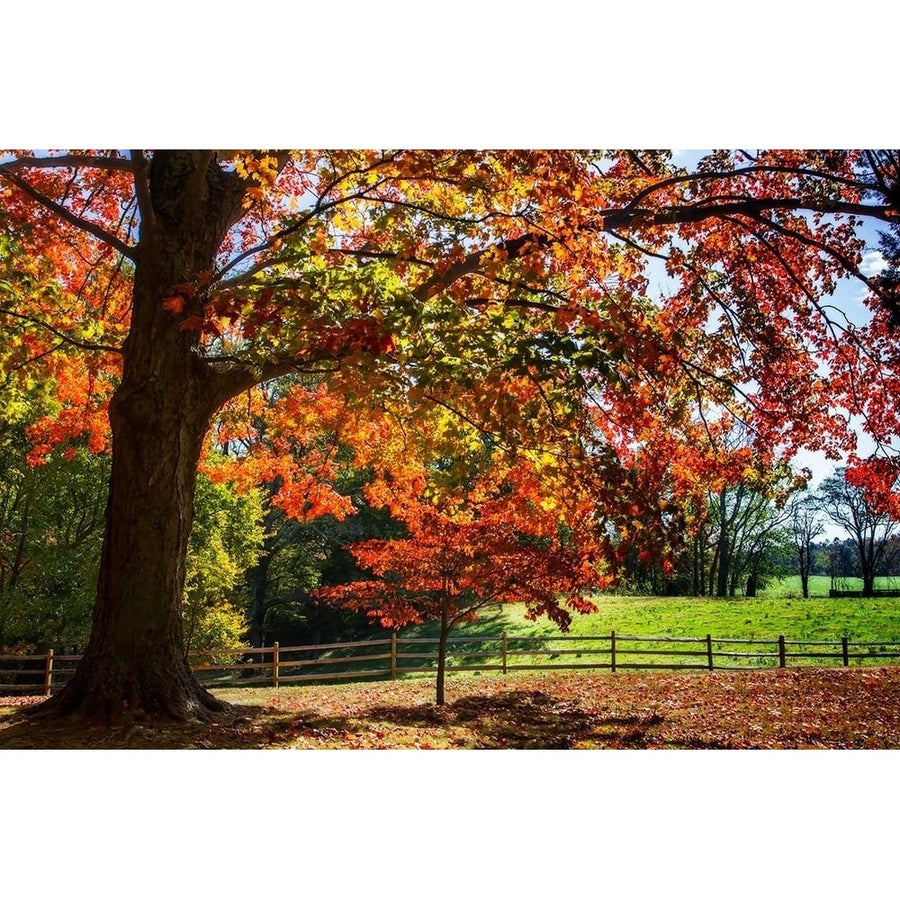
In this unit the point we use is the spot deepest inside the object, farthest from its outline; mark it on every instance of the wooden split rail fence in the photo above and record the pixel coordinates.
(394, 656)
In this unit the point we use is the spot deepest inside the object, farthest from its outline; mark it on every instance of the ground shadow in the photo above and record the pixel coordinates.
(247, 727)
(525, 720)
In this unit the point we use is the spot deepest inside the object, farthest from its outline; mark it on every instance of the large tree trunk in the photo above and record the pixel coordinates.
(697, 580)
(160, 413)
(257, 582)
(723, 574)
(135, 659)
(804, 559)
(258, 576)
(868, 583)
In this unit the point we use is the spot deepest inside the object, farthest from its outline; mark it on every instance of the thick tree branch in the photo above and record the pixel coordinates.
(82, 224)
(195, 186)
(626, 217)
(232, 375)
(68, 161)
(141, 168)
(474, 262)
(748, 172)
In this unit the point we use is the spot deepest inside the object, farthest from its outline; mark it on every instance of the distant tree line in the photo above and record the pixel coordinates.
(749, 534)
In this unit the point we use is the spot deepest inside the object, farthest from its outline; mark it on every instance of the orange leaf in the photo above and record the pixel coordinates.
(174, 304)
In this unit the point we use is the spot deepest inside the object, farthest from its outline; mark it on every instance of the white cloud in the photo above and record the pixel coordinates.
(872, 263)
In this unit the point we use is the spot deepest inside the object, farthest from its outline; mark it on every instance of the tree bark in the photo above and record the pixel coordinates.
(804, 559)
(442, 657)
(159, 415)
(723, 573)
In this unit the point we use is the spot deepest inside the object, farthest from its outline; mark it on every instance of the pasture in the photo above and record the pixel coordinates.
(814, 619)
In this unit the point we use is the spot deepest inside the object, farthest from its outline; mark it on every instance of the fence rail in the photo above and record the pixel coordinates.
(394, 656)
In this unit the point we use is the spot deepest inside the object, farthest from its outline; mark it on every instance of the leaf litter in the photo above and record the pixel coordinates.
(793, 708)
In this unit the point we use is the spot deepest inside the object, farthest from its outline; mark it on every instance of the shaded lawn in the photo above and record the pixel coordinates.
(834, 708)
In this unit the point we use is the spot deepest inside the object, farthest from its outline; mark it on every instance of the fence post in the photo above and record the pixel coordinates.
(503, 647)
(782, 656)
(612, 650)
(393, 656)
(48, 673)
(275, 664)
(845, 651)
(709, 653)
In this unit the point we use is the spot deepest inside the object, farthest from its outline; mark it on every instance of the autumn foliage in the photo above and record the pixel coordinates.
(480, 332)
(504, 537)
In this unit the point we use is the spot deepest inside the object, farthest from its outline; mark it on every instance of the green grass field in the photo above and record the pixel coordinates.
(819, 586)
(761, 619)
(812, 619)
